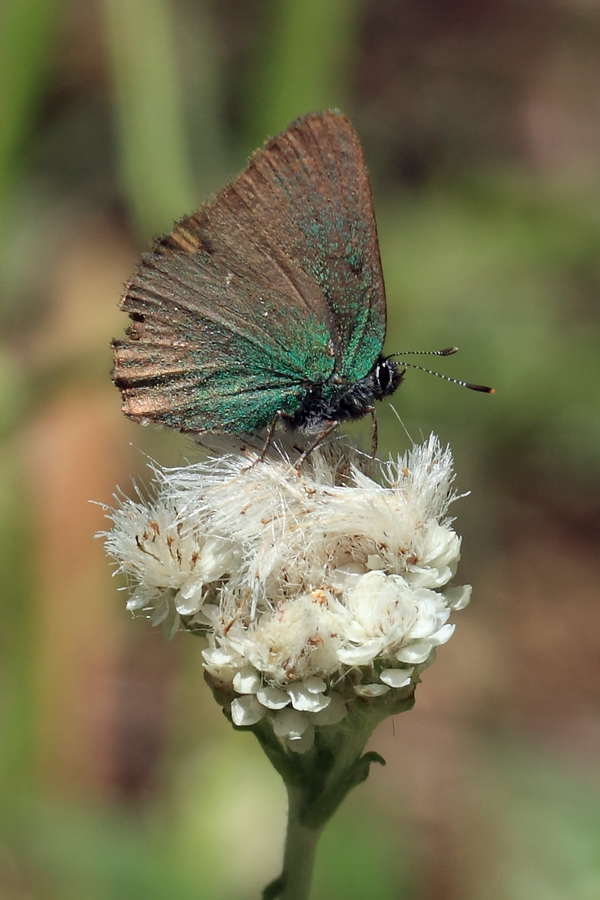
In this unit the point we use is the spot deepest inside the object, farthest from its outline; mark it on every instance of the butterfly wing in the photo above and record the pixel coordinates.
(272, 286)
(317, 176)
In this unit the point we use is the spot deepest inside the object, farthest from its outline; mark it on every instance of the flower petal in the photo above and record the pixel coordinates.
(414, 653)
(273, 697)
(397, 678)
(247, 681)
(246, 710)
(371, 690)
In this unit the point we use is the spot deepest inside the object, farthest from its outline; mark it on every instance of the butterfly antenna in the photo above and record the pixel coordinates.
(447, 351)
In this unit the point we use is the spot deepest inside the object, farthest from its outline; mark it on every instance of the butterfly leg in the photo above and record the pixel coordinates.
(268, 441)
(269, 438)
(318, 440)
(373, 415)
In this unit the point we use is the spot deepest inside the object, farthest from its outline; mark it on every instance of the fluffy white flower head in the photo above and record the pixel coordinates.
(315, 589)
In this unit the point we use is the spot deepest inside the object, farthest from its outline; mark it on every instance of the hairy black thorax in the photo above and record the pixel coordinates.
(331, 401)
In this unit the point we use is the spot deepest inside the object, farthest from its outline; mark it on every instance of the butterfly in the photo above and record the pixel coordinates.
(268, 303)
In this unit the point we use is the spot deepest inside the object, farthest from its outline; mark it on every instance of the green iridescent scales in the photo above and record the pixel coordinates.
(271, 288)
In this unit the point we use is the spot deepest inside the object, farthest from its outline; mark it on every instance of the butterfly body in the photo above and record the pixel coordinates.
(269, 301)
(340, 401)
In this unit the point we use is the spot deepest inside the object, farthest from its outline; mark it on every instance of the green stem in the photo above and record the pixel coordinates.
(300, 849)
(318, 780)
(299, 854)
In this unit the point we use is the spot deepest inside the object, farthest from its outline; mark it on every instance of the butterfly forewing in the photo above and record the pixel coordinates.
(327, 224)
(271, 287)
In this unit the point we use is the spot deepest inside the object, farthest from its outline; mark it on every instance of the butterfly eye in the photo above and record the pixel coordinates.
(383, 376)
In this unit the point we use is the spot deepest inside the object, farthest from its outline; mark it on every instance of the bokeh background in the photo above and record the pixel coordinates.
(119, 778)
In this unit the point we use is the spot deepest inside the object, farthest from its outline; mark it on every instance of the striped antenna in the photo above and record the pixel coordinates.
(448, 351)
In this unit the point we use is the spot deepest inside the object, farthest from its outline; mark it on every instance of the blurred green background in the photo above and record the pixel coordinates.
(481, 124)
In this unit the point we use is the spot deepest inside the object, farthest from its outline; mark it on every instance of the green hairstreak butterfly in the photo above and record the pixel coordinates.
(268, 303)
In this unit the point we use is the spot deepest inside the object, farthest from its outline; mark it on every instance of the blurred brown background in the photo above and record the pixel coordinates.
(481, 124)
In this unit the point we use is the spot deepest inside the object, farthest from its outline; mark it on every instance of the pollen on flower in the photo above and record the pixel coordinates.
(314, 590)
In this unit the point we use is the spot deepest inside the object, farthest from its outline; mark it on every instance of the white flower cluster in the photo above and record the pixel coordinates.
(312, 587)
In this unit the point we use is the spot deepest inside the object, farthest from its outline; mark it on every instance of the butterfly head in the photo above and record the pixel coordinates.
(385, 377)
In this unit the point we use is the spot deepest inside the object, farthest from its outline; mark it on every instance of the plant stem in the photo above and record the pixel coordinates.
(317, 782)
(300, 850)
